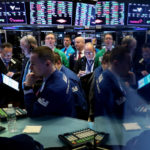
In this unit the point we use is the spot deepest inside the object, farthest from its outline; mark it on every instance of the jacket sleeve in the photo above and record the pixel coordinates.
(103, 98)
(65, 60)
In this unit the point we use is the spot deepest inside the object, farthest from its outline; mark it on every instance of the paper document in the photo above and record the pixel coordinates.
(32, 129)
(131, 126)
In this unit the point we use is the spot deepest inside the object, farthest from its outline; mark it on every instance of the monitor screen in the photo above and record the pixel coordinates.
(10, 82)
(110, 13)
(51, 12)
(85, 14)
(12, 13)
(144, 81)
(138, 14)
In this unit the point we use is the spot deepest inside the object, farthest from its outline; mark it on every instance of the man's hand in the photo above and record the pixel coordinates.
(30, 79)
(10, 74)
(81, 73)
(144, 72)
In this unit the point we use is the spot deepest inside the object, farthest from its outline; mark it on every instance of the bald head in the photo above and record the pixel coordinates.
(79, 43)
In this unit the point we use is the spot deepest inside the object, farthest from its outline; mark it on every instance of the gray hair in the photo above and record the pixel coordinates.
(29, 39)
(127, 40)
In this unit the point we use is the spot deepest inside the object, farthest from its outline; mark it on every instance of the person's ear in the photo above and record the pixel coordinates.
(115, 62)
(48, 63)
(59, 62)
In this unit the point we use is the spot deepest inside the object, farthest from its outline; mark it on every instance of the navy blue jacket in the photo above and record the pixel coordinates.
(97, 72)
(70, 74)
(20, 142)
(76, 87)
(55, 98)
(109, 96)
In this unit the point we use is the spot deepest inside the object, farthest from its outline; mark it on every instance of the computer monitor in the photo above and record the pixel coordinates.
(138, 14)
(144, 81)
(10, 82)
(51, 12)
(12, 13)
(85, 15)
(110, 13)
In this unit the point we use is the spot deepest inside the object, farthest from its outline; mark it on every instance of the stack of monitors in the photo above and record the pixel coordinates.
(85, 14)
(12, 13)
(138, 14)
(51, 12)
(110, 13)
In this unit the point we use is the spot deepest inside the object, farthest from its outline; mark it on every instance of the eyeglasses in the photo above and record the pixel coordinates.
(88, 53)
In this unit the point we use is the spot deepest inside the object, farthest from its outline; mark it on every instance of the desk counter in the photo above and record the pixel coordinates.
(51, 128)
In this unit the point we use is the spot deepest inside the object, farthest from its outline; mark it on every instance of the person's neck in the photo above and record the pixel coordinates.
(59, 67)
(114, 71)
(67, 46)
(51, 47)
(109, 47)
(81, 50)
(49, 72)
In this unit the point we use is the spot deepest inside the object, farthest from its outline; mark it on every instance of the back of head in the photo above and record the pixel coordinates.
(106, 57)
(57, 58)
(118, 53)
(29, 40)
(44, 53)
(127, 40)
(120, 61)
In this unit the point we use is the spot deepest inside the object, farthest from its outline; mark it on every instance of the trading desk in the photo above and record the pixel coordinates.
(51, 128)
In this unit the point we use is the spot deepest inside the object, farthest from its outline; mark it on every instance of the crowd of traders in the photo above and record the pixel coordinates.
(83, 82)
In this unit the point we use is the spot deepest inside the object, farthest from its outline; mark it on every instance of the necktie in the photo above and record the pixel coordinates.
(79, 55)
(89, 65)
(65, 50)
(108, 50)
(38, 93)
(26, 70)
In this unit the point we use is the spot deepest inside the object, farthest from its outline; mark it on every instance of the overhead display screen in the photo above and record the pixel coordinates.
(51, 12)
(138, 14)
(85, 14)
(110, 13)
(12, 13)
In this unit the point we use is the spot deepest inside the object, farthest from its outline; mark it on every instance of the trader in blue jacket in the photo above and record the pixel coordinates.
(55, 94)
(110, 94)
(79, 96)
